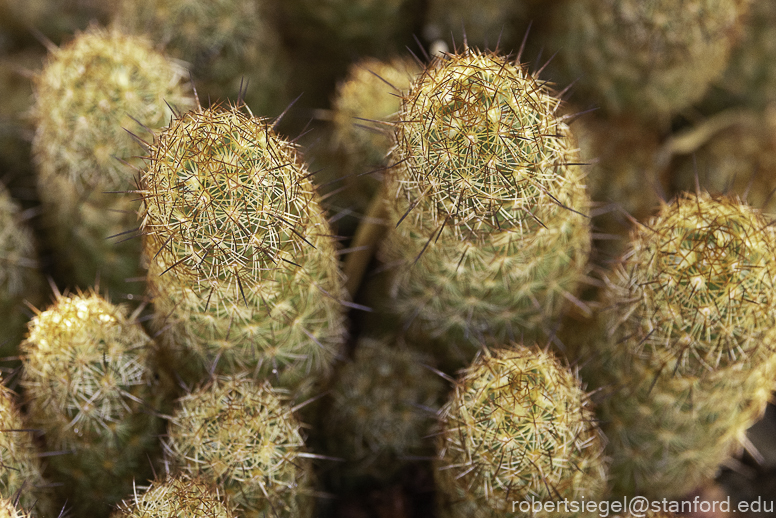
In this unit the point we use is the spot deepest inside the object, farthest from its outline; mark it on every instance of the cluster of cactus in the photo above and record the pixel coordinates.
(91, 389)
(480, 176)
(241, 258)
(487, 200)
(91, 93)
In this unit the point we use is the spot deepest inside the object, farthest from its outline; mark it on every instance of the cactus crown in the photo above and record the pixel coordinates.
(85, 97)
(519, 424)
(173, 497)
(242, 436)
(225, 197)
(479, 146)
(703, 274)
(85, 368)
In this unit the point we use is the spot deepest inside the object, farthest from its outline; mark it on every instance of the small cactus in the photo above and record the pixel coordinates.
(89, 386)
(174, 497)
(651, 59)
(88, 93)
(518, 427)
(242, 265)
(241, 436)
(689, 355)
(20, 279)
(489, 206)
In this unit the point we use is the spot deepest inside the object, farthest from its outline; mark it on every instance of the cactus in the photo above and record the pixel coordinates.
(518, 427)
(242, 437)
(381, 408)
(227, 43)
(651, 59)
(175, 496)
(20, 279)
(88, 93)
(491, 235)
(90, 389)
(688, 358)
(20, 469)
(242, 265)
(9, 509)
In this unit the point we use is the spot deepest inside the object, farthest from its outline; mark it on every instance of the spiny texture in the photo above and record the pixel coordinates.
(226, 42)
(242, 265)
(20, 279)
(382, 408)
(517, 427)
(490, 235)
(651, 58)
(739, 159)
(243, 437)
(88, 93)
(90, 389)
(688, 362)
(20, 468)
(365, 101)
(10, 510)
(177, 496)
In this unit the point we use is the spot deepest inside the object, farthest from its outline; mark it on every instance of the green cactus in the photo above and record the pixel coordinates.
(227, 43)
(648, 58)
(20, 279)
(518, 427)
(382, 408)
(242, 264)
(491, 235)
(85, 101)
(243, 437)
(20, 468)
(175, 497)
(689, 354)
(91, 390)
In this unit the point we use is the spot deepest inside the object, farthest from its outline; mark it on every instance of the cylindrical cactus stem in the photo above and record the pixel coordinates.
(488, 202)
(689, 357)
(90, 388)
(651, 59)
(242, 262)
(90, 95)
(20, 469)
(20, 279)
(381, 409)
(243, 437)
(518, 427)
(175, 496)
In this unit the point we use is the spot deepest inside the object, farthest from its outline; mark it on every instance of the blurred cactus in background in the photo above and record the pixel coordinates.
(488, 202)
(648, 58)
(688, 359)
(226, 43)
(242, 265)
(89, 387)
(20, 279)
(518, 427)
(88, 98)
(242, 437)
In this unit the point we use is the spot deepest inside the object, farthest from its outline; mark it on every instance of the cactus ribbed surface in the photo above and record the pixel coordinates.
(225, 42)
(175, 497)
(90, 388)
(243, 437)
(242, 264)
(688, 360)
(518, 427)
(20, 468)
(88, 93)
(20, 279)
(381, 408)
(489, 206)
(650, 58)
